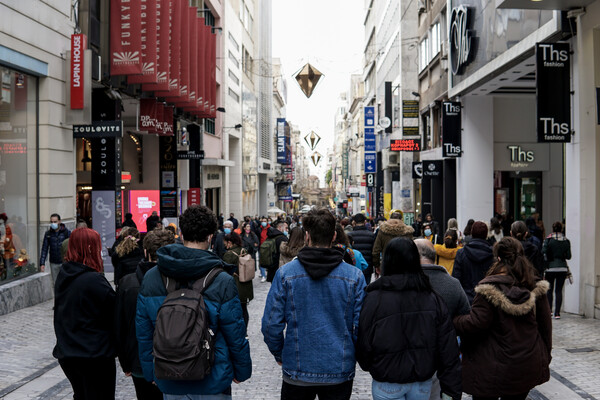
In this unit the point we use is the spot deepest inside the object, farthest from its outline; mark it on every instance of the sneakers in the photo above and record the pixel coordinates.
(263, 279)
(557, 317)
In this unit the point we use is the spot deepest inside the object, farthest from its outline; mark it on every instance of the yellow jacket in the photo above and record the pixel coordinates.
(445, 256)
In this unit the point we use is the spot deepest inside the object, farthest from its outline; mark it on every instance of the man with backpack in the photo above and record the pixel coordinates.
(362, 239)
(317, 299)
(202, 354)
(268, 254)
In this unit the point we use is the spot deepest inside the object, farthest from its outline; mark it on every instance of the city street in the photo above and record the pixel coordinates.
(28, 370)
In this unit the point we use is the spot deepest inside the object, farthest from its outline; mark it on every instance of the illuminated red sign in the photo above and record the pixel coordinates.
(141, 205)
(193, 196)
(405, 145)
(78, 46)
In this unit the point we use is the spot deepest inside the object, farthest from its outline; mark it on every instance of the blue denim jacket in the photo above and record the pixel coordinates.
(322, 322)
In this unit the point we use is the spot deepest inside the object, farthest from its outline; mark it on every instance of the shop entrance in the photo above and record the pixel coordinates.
(518, 195)
(213, 199)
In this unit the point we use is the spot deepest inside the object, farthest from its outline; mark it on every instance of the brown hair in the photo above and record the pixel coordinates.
(296, 241)
(155, 239)
(557, 227)
(519, 230)
(512, 261)
(450, 239)
(129, 242)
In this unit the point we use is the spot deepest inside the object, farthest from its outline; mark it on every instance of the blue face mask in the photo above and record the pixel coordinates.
(286, 233)
(427, 232)
(227, 231)
(264, 224)
(54, 225)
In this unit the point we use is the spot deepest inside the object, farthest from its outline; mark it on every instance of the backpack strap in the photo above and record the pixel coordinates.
(170, 283)
(203, 283)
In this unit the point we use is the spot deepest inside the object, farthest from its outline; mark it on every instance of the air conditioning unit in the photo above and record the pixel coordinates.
(444, 49)
(393, 159)
(421, 6)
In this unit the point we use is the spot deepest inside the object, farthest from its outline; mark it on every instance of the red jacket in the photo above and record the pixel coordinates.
(263, 233)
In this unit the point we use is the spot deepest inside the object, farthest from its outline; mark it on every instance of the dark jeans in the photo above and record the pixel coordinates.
(271, 272)
(146, 390)
(245, 315)
(559, 277)
(512, 397)
(91, 378)
(342, 391)
(368, 273)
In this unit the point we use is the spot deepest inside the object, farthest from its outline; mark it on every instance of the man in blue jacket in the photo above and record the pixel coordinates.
(53, 238)
(318, 297)
(189, 262)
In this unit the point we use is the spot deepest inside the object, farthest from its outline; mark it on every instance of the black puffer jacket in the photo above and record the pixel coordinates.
(400, 331)
(363, 240)
(126, 264)
(471, 264)
(534, 256)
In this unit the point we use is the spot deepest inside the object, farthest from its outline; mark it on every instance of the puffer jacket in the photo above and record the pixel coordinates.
(363, 240)
(387, 231)
(232, 354)
(446, 256)
(506, 339)
(51, 245)
(406, 335)
(471, 264)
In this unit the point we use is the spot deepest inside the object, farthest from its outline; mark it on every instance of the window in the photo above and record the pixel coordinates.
(423, 53)
(247, 63)
(234, 42)
(209, 126)
(234, 60)
(234, 95)
(234, 78)
(435, 40)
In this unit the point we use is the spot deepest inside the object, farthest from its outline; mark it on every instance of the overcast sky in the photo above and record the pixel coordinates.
(330, 35)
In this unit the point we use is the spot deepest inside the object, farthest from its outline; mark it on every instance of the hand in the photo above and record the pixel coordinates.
(236, 381)
(42, 267)
(279, 363)
(127, 373)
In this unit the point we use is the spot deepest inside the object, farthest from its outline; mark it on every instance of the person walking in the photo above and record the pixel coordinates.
(388, 230)
(127, 255)
(186, 263)
(467, 232)
(129, 221)
(473, 261)
(250, 241)
(152, 221)
(506, 340)
(84, 305)
(362, 240)
(53, 238)
(446, 253)
(277, 234)
(496, 232)
(453, 225)
(289, 250)
(316, 299)
(519, 231)
(405, 333)
(233, 220)
(127, 293)
(557, 250)
(233, 244)
(219, 242)
(434, 226)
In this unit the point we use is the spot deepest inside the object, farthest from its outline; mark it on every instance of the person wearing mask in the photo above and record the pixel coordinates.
(388, 230)
(506, 340)
(53, 238)
(264, 229)
(233, 220)
(219, 243)
(127, 293)
(405, 333)
(519, 231)
(434, 226)
(446, 253)
(127, 255)
(129, 221)
(473, 261)
(289, 250)
(557, 249)
(85, 346)
(428, 233)
(233, 243)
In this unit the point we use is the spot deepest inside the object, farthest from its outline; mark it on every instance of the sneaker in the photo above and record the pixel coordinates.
(557, 317)
(263, 279)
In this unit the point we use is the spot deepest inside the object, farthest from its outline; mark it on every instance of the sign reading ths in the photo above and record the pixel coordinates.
(553, 87)
(451, 129)
(460, 39)
(99, 129)
(405, 145)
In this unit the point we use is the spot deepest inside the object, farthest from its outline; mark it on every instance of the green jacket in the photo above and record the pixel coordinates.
(245, 289)
(557, 250)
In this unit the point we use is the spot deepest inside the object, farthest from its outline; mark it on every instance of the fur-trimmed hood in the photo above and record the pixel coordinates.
(396, 227)
(501, 291)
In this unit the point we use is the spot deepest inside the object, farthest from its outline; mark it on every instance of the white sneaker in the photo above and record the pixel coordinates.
(263, 279)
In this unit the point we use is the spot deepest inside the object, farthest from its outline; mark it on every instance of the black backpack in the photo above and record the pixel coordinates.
(183, 343)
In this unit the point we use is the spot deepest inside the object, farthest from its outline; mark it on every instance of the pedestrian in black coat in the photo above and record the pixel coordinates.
(249, 240)
(127, 255)
(519, 231)
(362, 239)
(129, 221)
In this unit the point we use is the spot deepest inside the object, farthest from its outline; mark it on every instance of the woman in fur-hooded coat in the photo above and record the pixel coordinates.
(507, 337)
(387, 231)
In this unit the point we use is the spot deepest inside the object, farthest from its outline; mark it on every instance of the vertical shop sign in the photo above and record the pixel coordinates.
(148, 49)
(213, 76)
(184, 78)
(451, 129)
(193, 197)
(200, 66)
(174, 50)
(148, 115)
(168, 119)
(168, 162)
(125, 37)
(282, 157)
(163, 34)
(193, 88)
(553, 92)
(370, 155)
(104, 218)
(78, 46)
(106, 163)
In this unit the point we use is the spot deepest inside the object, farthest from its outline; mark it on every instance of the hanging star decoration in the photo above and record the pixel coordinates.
(316, 157)
(307, 78)
(312, 140)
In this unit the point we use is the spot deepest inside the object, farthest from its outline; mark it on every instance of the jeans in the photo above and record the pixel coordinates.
(263, 272)
(54, 270)
(401, 391)
(341, 391)
(197, 396)
(559, 277)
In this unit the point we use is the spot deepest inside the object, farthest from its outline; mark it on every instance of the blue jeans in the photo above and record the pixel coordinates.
(197, 396)
(401, 391)
(263, 272)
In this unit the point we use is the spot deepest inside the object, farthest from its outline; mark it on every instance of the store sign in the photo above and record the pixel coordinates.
(78, 47)
(432, 169)
(167, 147)
(369, 116)
(553, 92)
(148, 115)
(193, 197)
(460, 39)
(370, 155)
(417, 170)
(99, 129)
(125, 37)
(451, 129)
(370, 178)
(106, 163)
(190, 155)
(411, 145)
(168, 204)
(410, 108)
(104, 220)
(370, 162)
(521, 157)
(148, 48)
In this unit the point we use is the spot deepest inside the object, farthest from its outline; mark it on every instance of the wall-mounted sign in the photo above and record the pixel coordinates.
(78, 47)
(410, 108)
(370, 178)
(370, 162)
(460, 39)
(451, 129)
(553, 88)
(190, 154)
(417, 170)
(193, 196)
(106, 163)
(99, 129)
(521, 156)
(405, 145)
(369, 116)
(283, 142)
(432, 169)
(167, 146)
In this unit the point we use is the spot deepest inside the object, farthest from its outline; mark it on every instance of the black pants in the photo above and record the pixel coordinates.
(146, 390)
(512, 397)
(559, 277)
(245, 314)
(342, 391)
(271, 272)
(368, 273)
(91, 378)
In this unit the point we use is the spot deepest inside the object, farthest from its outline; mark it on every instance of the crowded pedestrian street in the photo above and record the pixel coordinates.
(28, 370)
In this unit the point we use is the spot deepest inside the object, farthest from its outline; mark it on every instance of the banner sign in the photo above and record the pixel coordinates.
(148, 48)
(432, 169)
(174, 50)
(163, 29)
(125, 37)
(99, 129)
(104, 221)
(148, 115)
(370, 139)
(167, 147)
(451, 129)
(417, 170)
(282, 142)
(168, 121)
(106, 163)
(370, 162)
(190, 155)
(370, 155)
(78, 47)
(411, 145)
(193, 196)
(553, 92)
(369, 116)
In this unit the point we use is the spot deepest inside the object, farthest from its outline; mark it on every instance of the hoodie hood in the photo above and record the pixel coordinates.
(143, 267)
(180, 262)
(503, 293)
(285, 251)
(272, 232)
(478, 251)
(319, 262)
(70, 271)
(396, 227)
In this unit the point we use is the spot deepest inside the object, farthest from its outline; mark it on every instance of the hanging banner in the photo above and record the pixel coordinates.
(174, 51)
(184, 68)
(451, 129)
(125, 37)
(163, 27)
(168, 120)
(281, 142)
(160, 119)
(104, 218)
(200, 66)
(193, 88)
(148, 49)
(148, 118)
(193, 197)
(213, 76)
(78, 47)
(553, 92)
(370, 162)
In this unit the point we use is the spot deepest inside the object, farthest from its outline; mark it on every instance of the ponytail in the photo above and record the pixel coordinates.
(512, 261)
(450, 239)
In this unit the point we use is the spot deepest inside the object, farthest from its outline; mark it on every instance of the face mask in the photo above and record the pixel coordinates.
(264, 224)
(286, 233)
(299, 222)
(54, 225)
(427, 232)
(227, 231)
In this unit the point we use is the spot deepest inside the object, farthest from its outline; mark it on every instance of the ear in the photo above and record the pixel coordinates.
(334, 236)
(307, 239)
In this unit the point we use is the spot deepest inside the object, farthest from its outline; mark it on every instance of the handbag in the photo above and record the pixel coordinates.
(246, 267)
(569, 276)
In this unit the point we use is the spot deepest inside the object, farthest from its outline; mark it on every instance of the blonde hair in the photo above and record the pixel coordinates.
(129, 242)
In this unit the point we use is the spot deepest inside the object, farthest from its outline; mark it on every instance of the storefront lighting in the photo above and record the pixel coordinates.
(86, 188)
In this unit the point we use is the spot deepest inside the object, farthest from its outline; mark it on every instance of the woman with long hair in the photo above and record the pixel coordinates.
(557, 249)
(446, 253)
(405, 333)
(289, 250)
(84, 305)
(467, 231)
(127, 255)
(507, 337)
(519, 231)
(233, 244)
(341, 240)
(250, 241)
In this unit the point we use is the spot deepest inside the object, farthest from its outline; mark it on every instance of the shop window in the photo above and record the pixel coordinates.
(209, 126)
(18, 218)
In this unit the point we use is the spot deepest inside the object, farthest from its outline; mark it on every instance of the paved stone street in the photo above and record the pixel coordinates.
(28, 370)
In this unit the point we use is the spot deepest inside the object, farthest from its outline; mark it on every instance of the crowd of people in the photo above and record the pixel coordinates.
(429, 316)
